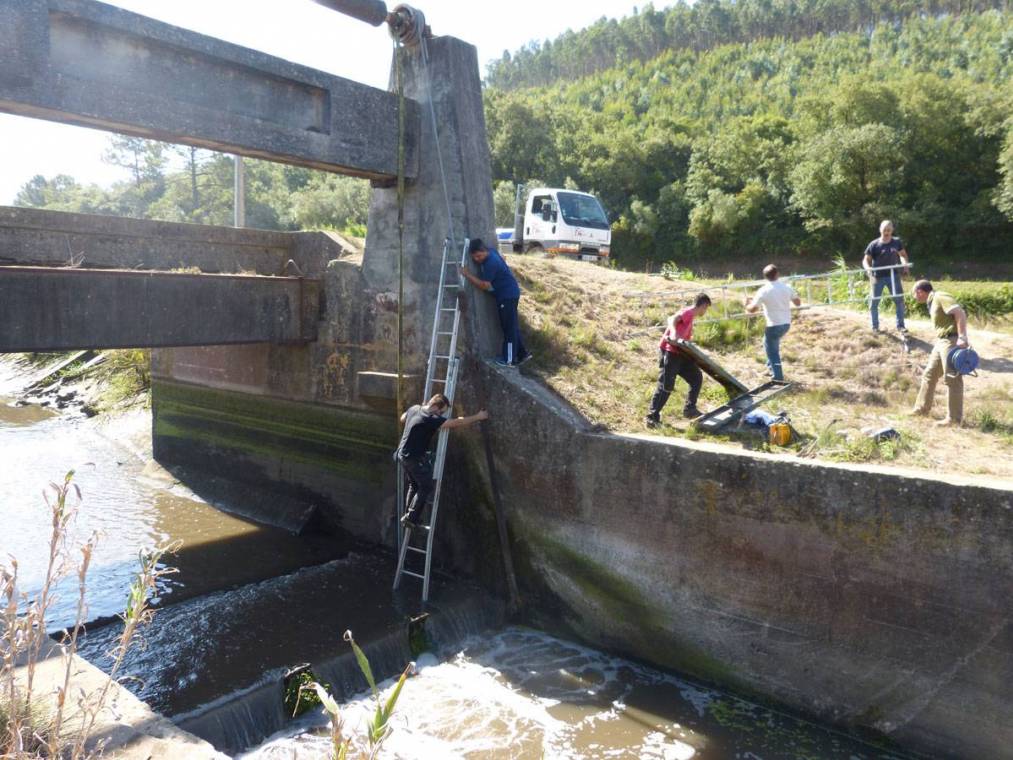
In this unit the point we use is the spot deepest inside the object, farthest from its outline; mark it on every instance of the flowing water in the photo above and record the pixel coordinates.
(132, 504)
(517, 693)
(524, 694)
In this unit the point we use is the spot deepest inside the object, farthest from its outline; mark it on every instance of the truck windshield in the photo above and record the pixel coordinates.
(582, 211)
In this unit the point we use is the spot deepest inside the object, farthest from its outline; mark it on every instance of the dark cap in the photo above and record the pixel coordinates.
(476, 245)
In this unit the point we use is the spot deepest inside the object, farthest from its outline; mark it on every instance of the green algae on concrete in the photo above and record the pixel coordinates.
(646, 634)
(298, 465)
(474, 514)
(346, 442)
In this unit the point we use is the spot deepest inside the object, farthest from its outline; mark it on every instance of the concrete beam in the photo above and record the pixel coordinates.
(37, 237)
(87, 63)
(46, 309)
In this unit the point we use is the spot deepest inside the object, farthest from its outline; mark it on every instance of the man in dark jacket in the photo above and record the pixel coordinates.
(497, 279)
(420, 425)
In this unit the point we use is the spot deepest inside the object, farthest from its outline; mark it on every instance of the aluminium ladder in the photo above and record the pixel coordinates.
(441, 370)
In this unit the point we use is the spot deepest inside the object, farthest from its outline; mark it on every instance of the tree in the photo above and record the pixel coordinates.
(330, 200)
(504, 196)
(1004, 193)
(847, 178)
(146, 160)
(521, 140)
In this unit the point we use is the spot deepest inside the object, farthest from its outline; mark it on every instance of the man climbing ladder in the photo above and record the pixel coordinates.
(420, 425)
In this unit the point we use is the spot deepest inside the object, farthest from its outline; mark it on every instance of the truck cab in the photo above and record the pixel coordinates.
(564, 223)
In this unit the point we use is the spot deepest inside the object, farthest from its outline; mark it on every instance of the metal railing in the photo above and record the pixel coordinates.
(837, 288)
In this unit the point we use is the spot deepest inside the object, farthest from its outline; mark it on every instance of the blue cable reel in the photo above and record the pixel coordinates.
(963, 361)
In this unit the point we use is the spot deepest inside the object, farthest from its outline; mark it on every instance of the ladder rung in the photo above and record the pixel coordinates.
(451, 286)
(415, 549)
(441, 356)
(446, 309)
(413, 575)
(446, 333)
(437, 380)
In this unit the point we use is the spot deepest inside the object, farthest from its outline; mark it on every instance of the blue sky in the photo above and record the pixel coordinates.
(300, 31)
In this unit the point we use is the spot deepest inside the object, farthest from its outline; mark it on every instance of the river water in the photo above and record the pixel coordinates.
(522, 694)
(131, 503)
(517, 693)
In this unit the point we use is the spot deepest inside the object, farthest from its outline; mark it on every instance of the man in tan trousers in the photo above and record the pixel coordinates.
(950, 323)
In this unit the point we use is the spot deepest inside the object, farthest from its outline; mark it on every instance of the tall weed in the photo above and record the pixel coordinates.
(39, 725)
(379, 727)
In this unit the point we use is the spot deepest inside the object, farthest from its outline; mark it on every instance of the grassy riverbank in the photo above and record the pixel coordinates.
(594, 332)
(93, 382)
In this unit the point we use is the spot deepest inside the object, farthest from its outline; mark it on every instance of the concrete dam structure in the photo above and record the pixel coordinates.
(872, 598)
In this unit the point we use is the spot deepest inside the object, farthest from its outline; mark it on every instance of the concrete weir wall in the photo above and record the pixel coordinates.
(315, 425)
(869, 597)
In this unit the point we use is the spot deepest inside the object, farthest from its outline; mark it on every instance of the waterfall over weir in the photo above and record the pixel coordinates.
(216, 664)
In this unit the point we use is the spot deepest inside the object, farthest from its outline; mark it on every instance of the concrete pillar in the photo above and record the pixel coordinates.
(453, 87)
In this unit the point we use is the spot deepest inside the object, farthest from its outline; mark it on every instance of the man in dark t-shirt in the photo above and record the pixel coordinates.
(420, 425)
(884, 261)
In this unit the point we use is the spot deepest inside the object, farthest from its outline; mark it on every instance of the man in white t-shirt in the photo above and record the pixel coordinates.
(776, 299)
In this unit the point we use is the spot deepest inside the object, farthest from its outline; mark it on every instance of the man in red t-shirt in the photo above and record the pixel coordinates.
(672, 362)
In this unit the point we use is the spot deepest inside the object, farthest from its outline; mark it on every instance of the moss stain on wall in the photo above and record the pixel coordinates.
(349, 443)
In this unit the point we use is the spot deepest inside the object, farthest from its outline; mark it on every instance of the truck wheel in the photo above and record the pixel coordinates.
(535, 249)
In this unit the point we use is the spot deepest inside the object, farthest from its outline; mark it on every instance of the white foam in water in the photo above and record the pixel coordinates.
(519, 694)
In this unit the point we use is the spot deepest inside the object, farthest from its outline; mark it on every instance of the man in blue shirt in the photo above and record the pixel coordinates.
(497, 279)
(882, 261)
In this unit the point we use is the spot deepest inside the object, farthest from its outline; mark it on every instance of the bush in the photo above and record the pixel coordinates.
(726, 333)
(981, 300)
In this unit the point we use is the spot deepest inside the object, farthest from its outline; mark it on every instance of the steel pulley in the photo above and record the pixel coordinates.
(407, 24)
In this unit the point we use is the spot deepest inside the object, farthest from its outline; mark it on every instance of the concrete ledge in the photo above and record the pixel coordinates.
(36, 237)
(379, 389)
(48, 309)
(126, 728)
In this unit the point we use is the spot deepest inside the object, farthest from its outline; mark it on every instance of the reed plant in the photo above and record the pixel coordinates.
(379, 727)
(59, 722)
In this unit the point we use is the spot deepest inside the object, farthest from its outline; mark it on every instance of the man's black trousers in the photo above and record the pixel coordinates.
(670, 365)
(420, 483)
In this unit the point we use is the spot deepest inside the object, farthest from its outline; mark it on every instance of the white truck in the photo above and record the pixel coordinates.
(560, 222)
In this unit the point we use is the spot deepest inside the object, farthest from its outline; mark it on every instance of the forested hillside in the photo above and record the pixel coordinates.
(773, 145)
(703, 25)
